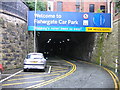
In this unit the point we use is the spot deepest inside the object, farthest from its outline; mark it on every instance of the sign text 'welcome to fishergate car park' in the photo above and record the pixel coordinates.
(69, 21)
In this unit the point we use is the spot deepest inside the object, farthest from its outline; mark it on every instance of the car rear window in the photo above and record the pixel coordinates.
(34, 56)
(28, 56)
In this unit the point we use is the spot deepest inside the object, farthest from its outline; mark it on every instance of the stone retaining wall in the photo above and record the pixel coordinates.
(106, 47)
(15, 41)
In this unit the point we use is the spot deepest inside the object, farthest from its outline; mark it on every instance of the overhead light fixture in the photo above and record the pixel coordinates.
(68, 40)
(49, 40)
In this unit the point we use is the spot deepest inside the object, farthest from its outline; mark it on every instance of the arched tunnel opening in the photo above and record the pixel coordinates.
(78, 45)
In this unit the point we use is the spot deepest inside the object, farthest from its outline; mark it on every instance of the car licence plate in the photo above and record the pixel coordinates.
(34, 61)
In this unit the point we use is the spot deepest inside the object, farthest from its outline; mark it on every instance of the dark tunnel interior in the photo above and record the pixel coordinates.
(78, 45)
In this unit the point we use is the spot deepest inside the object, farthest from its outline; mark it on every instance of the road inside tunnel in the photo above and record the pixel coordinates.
(66, 44)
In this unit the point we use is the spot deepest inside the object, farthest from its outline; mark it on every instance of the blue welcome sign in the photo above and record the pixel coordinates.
(69, 21)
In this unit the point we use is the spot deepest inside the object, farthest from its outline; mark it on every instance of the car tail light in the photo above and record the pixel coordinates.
(1, 67)
(42, 61)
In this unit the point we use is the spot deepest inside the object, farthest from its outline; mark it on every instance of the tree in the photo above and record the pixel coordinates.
(41, 6)
(118, 6)
(100, 11)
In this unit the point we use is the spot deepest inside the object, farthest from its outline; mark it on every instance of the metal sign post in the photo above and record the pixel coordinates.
(35, 27)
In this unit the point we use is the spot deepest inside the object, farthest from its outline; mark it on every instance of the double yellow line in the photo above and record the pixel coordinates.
(22, 83)
(32, 77)
(55, 79)
(114, 77)
(59, 69)
(46, 82)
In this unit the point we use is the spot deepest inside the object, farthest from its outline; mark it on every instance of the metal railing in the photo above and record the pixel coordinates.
(17, 8)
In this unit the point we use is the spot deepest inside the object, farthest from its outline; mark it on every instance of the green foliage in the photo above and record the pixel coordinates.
(41, 6)
(99, 11)
(100, 47)
(118, 4)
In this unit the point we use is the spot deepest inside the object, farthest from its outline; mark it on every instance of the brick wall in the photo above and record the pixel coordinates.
(67, 6)
(70, 5)
(85, 6)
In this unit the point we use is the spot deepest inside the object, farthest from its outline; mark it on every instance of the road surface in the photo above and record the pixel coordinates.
(63, 74)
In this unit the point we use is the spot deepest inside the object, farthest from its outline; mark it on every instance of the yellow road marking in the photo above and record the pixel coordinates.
(34, 74)
(21, 83)
(57, 69)
(32, 77)
(114, 75)
(115, 83)
(28, 74)
(116, 79)
(57, 78)
(111, 74)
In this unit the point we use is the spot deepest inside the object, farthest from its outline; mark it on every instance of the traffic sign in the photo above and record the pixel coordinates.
(85, 16)
(98, 19)
(69, 21)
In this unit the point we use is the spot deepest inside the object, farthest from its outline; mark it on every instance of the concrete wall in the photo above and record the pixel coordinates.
(15, 42)
(80, 47)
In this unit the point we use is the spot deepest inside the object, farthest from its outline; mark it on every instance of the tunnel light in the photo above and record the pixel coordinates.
(63, 41)
(68, 40)
(60, 42)
(49, 40)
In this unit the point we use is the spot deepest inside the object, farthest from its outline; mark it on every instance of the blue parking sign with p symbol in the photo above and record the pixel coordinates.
(98, 20)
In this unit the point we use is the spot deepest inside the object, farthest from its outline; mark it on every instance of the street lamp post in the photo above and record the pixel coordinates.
(35, 27)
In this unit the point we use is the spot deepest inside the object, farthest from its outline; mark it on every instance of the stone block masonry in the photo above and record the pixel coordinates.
(106, 49)
(15, 41)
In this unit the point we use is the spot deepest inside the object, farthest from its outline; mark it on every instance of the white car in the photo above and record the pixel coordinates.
(34, 61)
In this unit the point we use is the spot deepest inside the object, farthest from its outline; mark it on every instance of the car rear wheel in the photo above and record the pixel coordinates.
(25, 70)
(43, 70)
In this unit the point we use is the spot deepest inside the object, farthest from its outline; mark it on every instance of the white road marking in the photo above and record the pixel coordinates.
(49, 69)
(10, 76)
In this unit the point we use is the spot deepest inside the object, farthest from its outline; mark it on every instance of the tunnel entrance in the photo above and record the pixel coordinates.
(77, 45)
